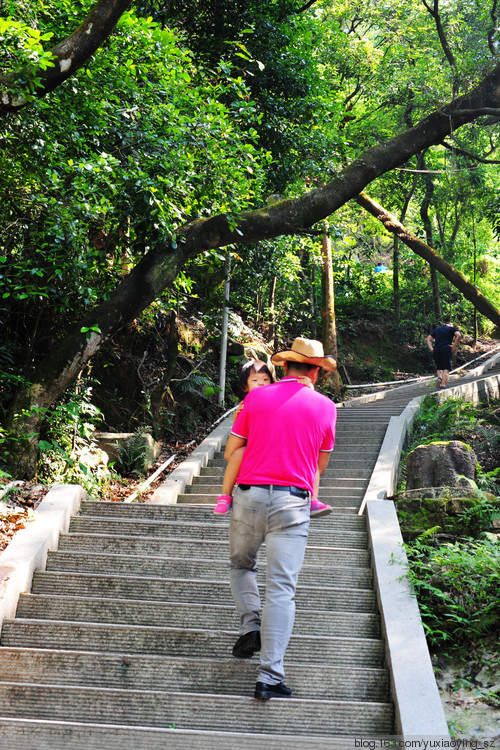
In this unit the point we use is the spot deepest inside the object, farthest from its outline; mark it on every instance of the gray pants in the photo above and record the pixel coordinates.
(280, 519)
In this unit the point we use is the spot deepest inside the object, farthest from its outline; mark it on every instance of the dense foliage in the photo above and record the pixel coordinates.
(457, 586)
(179, 117)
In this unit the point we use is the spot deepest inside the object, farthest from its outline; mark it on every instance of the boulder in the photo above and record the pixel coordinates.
(451, 510)
(129, 447)
(440, 464)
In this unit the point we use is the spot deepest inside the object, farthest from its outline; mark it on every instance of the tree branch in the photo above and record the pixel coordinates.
(469, 155)
(296, 215)
(434, 11)
(480, 112)
(493, 30)
(305, 7)
(69, 55)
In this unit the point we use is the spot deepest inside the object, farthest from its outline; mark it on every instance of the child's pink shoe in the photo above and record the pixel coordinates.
(224, 502)
(319, 509)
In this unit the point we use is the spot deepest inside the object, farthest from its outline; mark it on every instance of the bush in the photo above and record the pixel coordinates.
(68, 454)
(457, 586)
(455, 419)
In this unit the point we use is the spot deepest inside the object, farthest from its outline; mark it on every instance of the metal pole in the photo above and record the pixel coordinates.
(223, 347)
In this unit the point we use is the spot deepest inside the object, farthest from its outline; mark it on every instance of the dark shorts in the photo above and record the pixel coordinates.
(443, 358)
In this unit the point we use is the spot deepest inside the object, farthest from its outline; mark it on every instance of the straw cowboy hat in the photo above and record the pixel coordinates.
(306, 350)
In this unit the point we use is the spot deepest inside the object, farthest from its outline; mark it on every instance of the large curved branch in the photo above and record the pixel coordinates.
(304, 7)
(296, 215)
(70, 54)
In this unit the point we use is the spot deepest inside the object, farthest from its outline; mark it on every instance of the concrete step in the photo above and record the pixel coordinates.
(202, 712)
(360, 472)
(182, 567)
(31, 734)
(144, 672)
(375, 411)
(185, 590)
(349, 446)
(347, 503)
(214, 530)
(340, 488)
(206, 548)
(357, 482)
(186, 615)
(182, 642)
(342, 478)
(349, 468)
(356, 418)
(142, 511)
(342, 499)
(343, 483)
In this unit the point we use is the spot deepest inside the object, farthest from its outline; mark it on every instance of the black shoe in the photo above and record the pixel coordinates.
(263, 691)
(246, 645)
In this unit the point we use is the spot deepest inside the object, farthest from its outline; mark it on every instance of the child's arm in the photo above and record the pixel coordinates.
(240, 407)
(316, 486)
(232, 470)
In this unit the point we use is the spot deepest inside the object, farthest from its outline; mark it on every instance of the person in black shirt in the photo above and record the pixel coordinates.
(443, 342)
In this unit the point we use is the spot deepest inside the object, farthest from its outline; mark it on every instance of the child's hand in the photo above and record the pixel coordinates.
(304, 380)
(240, 407)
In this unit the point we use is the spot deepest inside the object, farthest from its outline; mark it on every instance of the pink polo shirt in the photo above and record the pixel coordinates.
(286, 425)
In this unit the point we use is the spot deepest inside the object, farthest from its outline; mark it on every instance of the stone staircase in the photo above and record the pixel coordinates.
(125, 639)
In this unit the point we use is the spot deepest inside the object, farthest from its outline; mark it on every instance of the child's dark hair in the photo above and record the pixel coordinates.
(253, 365)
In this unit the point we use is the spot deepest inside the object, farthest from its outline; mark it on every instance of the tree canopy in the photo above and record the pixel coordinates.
(141, 139)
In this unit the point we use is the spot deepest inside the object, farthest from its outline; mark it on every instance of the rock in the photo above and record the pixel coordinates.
(260, 354)
(443, 508)
(234, 348)
(440, 464)
(125, 448)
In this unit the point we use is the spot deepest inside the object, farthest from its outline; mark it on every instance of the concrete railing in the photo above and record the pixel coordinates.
(175, 484)
(28, 549)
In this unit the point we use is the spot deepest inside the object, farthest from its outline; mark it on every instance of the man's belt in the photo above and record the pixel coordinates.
(295, 491)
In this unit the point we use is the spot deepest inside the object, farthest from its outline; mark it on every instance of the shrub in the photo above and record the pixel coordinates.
(457, 585)
(455, 419)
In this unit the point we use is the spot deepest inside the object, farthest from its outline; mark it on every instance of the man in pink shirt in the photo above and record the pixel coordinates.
(288, 431)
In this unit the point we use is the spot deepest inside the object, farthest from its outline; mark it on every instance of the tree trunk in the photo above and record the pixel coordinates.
(158, 269)
(426, 219)
(395, 281)
(475, 273)
(396, 263)
(272, 311)
(161, 392)
(328, 322)
(436, 301)
(313, 306)
(458, 280)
